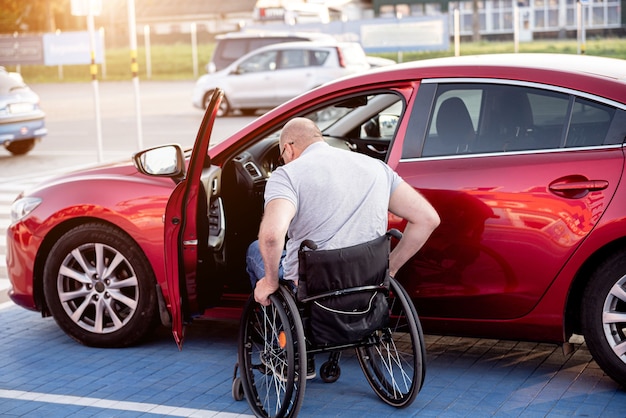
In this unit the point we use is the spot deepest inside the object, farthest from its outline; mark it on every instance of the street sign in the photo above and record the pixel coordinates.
(71, 48)
(21, 50)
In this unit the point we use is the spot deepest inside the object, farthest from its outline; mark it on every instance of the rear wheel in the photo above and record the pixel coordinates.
(272, 356)
(21, 147)
(604, 316)
(224, 108)
(395, 366)
(99, 287)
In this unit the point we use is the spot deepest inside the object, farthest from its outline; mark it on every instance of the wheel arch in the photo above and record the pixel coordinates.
(572, 318)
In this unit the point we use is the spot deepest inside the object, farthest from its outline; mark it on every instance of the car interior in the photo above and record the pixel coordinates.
(232, 215)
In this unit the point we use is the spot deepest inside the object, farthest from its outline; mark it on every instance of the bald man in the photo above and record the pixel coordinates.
(336, 198)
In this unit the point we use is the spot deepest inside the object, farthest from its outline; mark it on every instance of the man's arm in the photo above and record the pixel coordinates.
(422, 220)
(276, 219)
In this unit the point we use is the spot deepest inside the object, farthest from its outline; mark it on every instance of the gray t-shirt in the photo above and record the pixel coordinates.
(341, 199)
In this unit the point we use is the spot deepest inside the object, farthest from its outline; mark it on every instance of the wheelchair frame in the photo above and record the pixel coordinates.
(273, 351)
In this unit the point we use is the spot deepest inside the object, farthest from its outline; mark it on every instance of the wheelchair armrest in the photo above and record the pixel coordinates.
(395, 233)
(309, 244)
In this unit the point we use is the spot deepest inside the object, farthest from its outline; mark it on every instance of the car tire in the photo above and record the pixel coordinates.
(248, 112)
(21, 147)
(116, 310)
(224, 108)
(604, 316)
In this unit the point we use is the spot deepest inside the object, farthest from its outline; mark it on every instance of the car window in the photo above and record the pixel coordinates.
(365, 124)
(590, 123)
(263, 61)
(488, 118)
(452, 128)
(318, 57)
(293, 58)
(230, 50)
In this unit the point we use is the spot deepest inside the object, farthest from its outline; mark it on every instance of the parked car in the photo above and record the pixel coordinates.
(522, 155)
(22, 122)
(273, 74)
(233, 45)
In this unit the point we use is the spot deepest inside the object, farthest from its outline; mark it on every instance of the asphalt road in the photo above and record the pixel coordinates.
(167, 116)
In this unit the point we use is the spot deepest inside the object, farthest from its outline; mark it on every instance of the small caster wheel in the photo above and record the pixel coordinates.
(330, 371)
(237, 389)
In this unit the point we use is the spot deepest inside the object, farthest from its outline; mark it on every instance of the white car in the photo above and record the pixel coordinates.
(271, 75)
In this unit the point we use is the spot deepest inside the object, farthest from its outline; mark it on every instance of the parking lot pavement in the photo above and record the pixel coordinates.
(43, 373)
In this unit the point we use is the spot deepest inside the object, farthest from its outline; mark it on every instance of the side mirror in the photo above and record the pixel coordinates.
(162, 161)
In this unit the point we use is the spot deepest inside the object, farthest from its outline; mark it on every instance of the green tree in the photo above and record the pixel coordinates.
(36, 16)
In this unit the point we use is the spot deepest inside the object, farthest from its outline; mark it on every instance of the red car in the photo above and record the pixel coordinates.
(522, 156)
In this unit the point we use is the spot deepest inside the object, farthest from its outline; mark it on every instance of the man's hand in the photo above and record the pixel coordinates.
(264, 288)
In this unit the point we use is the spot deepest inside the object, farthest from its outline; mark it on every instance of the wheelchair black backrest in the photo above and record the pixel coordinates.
(323, 272)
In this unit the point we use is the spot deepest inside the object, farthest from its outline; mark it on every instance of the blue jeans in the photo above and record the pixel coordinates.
(254, 264)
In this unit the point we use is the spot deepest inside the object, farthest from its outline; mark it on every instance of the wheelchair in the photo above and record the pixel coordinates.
(350, 303)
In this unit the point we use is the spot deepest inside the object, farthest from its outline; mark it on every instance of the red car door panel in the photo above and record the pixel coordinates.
(509, 224)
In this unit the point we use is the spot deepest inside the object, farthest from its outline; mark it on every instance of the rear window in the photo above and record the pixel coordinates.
(228, 50)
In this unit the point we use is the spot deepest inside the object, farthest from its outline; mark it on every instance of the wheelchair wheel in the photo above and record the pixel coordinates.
(395, 365)
(272, 356)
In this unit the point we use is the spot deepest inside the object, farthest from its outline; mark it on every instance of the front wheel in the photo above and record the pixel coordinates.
(99, 287)
(272, 356)
(604, 316)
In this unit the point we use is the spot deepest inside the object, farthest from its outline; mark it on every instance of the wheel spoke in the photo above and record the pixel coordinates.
(76, 294)
(123, 299)
(112, 313)
(78, 313)
(73, 274)
(84, 264)
(619, 292)
(614, 317)
(620, 349)
(110, 269)
(123, 283)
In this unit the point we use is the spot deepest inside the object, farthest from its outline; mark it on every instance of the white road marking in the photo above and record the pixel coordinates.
(151, 408)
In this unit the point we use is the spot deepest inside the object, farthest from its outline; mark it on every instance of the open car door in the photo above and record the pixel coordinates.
(181, 235)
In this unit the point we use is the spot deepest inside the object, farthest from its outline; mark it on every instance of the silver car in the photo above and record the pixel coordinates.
(271, 75)
(22, 122)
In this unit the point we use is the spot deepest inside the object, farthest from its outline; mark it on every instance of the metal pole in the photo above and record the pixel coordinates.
(194, 49)
(134, 68)
(457, 33)
(516, 25)
(583, 17)
(104, 55)
(93, 69)
(146, 40)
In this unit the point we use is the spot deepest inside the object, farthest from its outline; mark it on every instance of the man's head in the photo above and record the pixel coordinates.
(296, 136)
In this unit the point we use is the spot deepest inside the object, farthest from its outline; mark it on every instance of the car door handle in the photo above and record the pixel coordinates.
(376, 150)
(577, 189)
